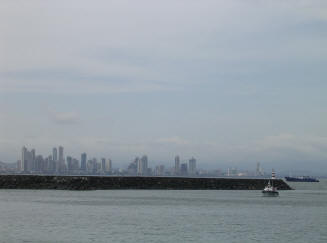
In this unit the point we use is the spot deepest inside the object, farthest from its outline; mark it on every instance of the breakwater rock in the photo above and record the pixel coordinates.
(133, 182)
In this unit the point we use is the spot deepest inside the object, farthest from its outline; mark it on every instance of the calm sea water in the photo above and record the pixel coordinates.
(164, 216)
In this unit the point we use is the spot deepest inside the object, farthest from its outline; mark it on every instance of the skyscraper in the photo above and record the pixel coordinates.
(192, 166)
(54, 154)
(19, 165)
(184, 169)
(24, 159)
(144, 161)
(133, 167)
(83, 161)
(109, 165)
(32, 165)
(75, 165)
(61, 153)
(69, 160)
(259, 171)
(177, 165)
(159, 170)
(103, 165)
(27, 160)
(94, 165)
(61, 161)
(51, 164)
(142, 165)
(139, 166)
(39, 164)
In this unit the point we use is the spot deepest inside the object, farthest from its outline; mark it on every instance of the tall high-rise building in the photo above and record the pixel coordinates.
(54, 154)
(144, 161)
(27, 160)
(184, 169)
(177, 165)
(69, 160)
(33, 165)
(19, 165)
(51, 164)
(24, 159)
(60, 163)
(103, 165)
(39, 164)
(75, 165)
(133, 167)
(94, 165)
(61, 154)
(259, 171)
(139, 166)
(33, 154)
(142, 165)
(108, 165)
(83, 161)
(89, 166)
(192, 166)
(160, 170)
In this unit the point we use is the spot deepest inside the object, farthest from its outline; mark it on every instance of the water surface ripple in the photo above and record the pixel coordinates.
(164, 216)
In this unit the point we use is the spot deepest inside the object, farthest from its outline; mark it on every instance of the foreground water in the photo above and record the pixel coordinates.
(164, 216)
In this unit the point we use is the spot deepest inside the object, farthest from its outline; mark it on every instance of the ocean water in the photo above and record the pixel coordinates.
(164, 215)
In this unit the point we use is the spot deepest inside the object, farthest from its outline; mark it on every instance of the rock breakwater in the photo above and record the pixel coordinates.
(133, 182)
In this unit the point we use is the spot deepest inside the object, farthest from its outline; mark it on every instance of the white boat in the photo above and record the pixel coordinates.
(270, 190)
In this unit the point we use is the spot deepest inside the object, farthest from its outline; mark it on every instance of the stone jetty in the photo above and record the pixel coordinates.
(133, 182)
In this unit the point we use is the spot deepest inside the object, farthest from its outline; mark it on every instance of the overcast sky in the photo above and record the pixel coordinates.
(228, 82)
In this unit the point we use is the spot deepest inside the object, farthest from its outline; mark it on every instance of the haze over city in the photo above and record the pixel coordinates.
(163, 121)
(231, 83)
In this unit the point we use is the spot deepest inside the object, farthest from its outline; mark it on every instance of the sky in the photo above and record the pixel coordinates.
(228, 82)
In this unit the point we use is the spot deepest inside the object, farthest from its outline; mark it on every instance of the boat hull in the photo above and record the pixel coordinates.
(297, 179)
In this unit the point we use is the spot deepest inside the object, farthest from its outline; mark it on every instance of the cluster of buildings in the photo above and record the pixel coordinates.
(57, 164)
(184, 168)
(139, 166)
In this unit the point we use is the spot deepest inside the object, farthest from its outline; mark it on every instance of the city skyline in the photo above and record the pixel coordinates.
(226, 82)
(163, 121)
(174, 164)
(58, 163)
(66, 164)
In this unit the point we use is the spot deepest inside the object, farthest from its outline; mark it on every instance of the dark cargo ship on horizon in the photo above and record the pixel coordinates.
(301, 179)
